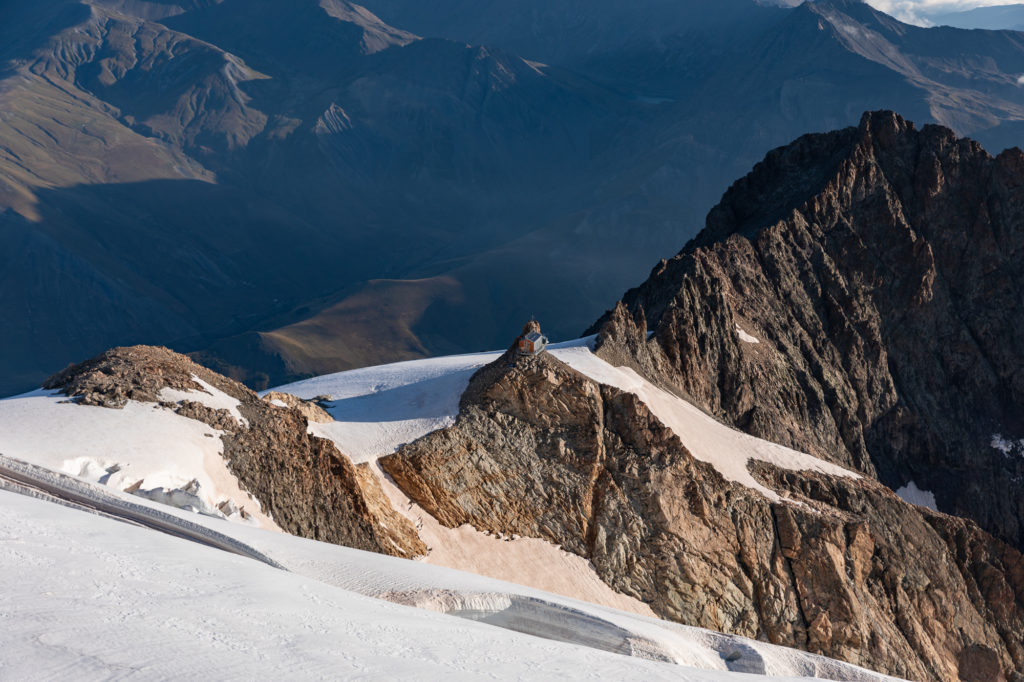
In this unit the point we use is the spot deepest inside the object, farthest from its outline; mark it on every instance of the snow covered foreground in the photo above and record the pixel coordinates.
(142, 447)
(88, 596)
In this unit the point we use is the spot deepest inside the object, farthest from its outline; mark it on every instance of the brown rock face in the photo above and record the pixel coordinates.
(308, 486)
(852, 572)
(879, 270)
(134, 373)
(307, 408)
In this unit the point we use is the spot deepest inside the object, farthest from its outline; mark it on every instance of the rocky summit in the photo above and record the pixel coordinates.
(858, 296)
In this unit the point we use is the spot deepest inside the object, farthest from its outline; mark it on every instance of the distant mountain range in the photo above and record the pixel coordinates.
(290, 188)
(996, 18)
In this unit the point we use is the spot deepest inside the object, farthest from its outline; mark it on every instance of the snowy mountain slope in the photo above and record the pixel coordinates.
(142, 447)
(314, 618)
(378, 409)
(607, 467)
(141, 603)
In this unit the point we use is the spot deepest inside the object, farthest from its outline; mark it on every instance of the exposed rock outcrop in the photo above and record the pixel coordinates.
(859, 296)
(308, 486)
(851, 571)
(307, 408)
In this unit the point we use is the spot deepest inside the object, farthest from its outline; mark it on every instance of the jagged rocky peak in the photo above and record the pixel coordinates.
(857, 296)
(305, 483)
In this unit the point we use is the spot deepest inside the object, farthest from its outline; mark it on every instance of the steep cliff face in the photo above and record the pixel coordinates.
(308, 486)
(859, 296)
(842, 567)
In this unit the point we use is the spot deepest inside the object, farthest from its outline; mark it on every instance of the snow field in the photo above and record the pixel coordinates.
(378, 409)
(143, 446)
(133, 600)
(89, 598)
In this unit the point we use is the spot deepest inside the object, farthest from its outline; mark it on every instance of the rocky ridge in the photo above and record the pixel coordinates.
(857, 296)
(843, 568)
(305, 483)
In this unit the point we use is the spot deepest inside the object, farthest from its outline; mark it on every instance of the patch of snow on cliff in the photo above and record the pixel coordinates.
(142, 447)
(211, 397)
(744, 336)
(914, 495)
(378, 409)
(725, 448)
(1006, 446)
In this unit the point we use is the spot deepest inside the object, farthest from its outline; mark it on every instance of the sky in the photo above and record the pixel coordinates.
(916, 11)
